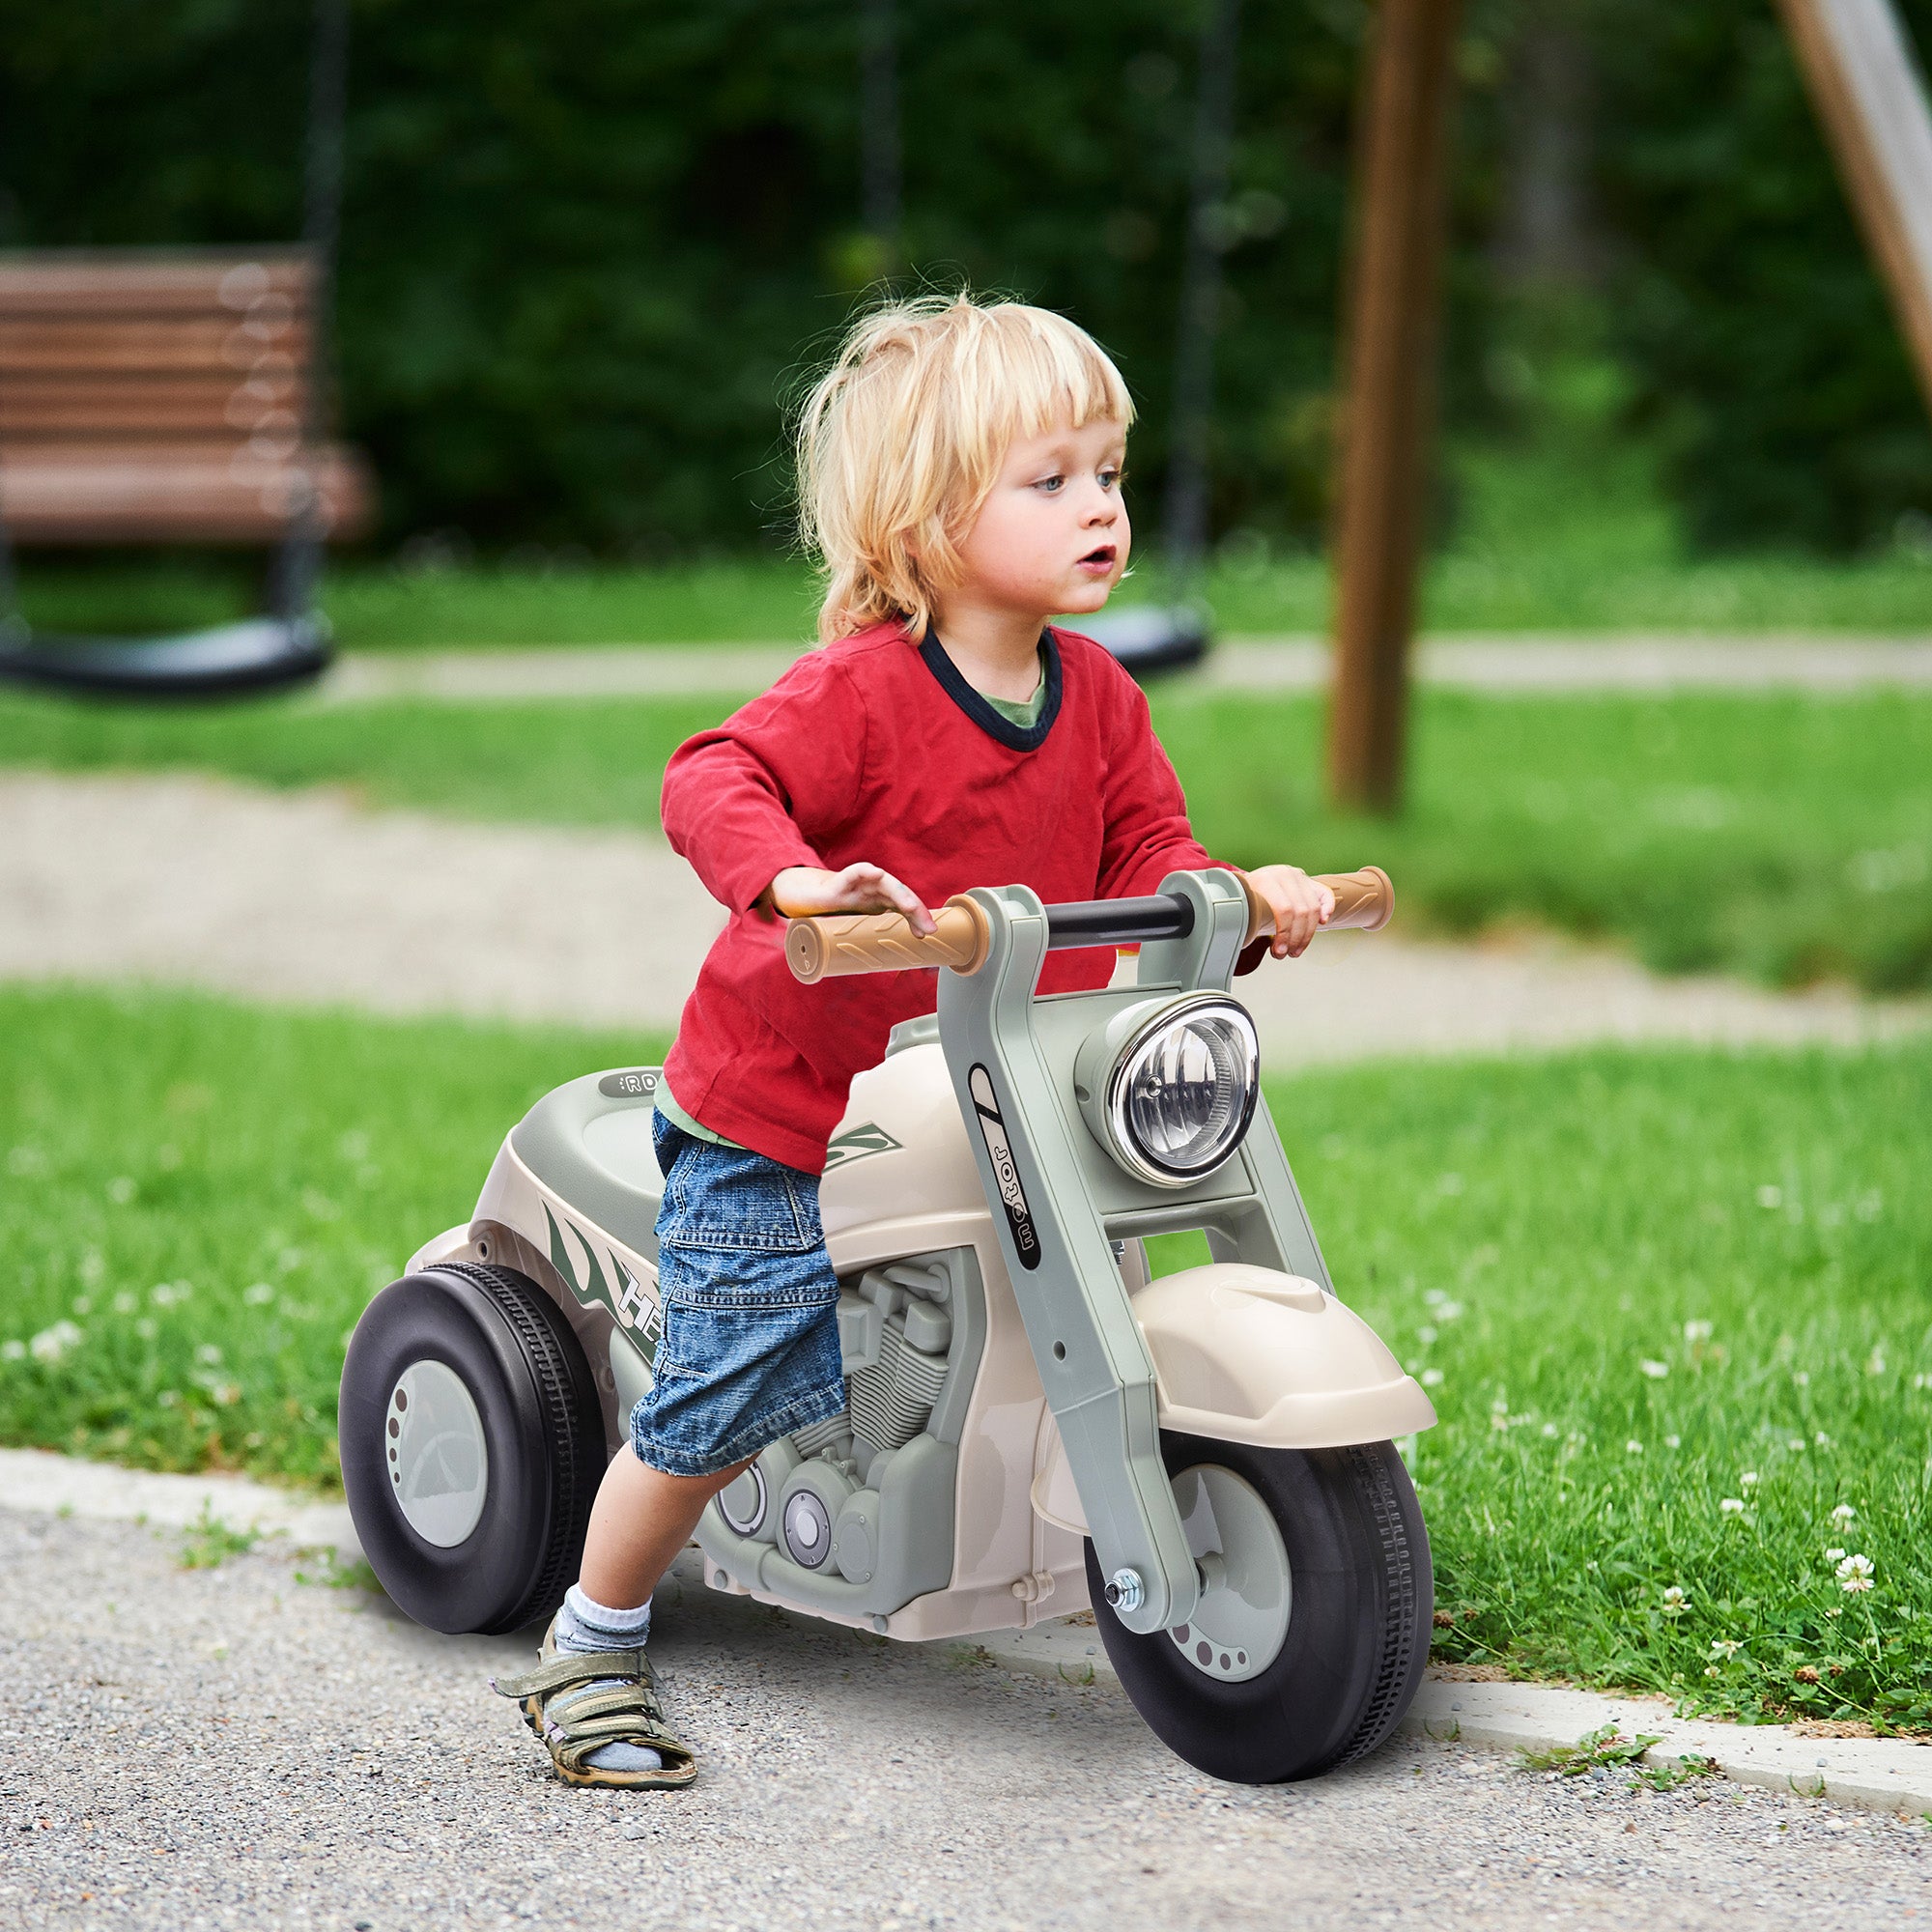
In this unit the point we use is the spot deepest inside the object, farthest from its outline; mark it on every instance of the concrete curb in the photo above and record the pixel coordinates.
(1873, 1774)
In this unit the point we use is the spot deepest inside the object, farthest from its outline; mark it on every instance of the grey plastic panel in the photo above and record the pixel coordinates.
(905, 1512)
(590, 1142)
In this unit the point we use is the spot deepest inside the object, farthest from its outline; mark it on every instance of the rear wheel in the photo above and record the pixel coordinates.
(1311, 1636)
(473, 1445)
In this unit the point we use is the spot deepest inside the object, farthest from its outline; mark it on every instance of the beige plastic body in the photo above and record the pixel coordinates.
(1217, 1335)
(1245, 1354)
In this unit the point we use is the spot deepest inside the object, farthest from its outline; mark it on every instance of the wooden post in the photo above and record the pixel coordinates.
(1868, 93)
(1391, 391)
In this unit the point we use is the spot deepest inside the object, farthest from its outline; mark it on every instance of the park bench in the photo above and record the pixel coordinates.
(165, 397)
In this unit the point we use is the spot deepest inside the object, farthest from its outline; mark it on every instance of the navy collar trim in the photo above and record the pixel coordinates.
(1015, 737)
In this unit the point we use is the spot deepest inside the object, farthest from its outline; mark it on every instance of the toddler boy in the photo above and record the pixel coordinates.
(959, 472)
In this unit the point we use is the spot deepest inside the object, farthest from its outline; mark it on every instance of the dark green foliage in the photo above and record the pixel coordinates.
(589, 248)
(1748, 304)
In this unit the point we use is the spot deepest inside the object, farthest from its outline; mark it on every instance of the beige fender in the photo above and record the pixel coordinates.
(1246, 1354)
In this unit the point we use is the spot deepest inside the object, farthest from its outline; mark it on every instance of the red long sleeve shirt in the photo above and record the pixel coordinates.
(876, 750)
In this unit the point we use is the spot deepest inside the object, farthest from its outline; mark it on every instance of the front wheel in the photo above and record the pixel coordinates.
(1310, 1639)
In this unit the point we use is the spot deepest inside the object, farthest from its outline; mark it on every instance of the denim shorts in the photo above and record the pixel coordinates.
(750, 1345)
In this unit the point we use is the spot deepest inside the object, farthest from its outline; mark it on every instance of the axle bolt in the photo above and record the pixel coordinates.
(1125, 1593)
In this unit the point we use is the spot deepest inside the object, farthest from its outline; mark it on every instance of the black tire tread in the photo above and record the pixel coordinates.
(512, 1294)
(1386, 1700)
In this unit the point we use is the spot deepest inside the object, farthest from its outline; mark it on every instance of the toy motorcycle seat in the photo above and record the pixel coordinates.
(589, 1143)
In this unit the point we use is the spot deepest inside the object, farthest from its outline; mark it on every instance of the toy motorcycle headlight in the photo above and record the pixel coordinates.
(1180, 1090)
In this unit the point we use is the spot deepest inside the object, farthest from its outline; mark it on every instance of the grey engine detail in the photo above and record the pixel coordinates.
(856, 1514)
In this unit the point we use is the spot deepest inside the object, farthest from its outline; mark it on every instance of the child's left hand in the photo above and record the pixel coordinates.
(1302, 907)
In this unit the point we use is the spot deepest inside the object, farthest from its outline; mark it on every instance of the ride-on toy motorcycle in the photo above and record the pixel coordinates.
(1034, 1426)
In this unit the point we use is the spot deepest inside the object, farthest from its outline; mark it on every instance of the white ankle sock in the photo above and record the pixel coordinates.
(584, 1625)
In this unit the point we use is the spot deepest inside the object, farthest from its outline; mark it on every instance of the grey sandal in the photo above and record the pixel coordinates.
(573, 1720)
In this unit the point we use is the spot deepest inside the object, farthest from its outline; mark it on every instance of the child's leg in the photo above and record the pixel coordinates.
(639, 1521)
(749, 1352)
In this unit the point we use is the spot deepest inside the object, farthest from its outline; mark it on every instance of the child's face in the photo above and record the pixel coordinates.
(1053, 537)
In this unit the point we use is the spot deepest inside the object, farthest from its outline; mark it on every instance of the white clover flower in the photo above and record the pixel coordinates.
(1855, 1573)
(1921, 1380)
(1549, 1429)
(1875, 1362)
(1823, 1440)
(1436, 1297)
(1673, 1441)
(1432, 1378)
(1448, 1311)
(1426, 1334)
(1833, 1555)
(1802, 1378)
(258, 1294)
(1675, 1602)
(1656, 1371)
(206, 1353)
(1726, 1648)
(1732, 1506)
(1844, 1512)
(147, 1328)
(1697, 1331)
(1796, 1445)
(12, 1352)
(51, 1344)
(1633, 1447)
(1748, 1480)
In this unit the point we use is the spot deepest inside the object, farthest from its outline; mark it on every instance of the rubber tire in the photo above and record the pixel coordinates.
(542, 1424)
(1358, 1633)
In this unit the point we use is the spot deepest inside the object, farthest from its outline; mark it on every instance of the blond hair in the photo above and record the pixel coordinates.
(901, 440)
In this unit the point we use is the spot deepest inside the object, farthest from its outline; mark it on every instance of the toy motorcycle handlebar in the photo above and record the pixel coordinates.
(834, 944)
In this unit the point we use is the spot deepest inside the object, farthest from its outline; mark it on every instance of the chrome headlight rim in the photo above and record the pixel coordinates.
(1121, 1141)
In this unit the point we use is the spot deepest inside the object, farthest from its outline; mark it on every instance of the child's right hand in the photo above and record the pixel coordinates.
(801, 891)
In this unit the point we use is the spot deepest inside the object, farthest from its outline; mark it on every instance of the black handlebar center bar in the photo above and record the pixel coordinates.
(1118, 922)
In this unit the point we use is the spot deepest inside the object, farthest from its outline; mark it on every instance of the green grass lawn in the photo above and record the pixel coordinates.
(1772, 834)
(1675, 1309)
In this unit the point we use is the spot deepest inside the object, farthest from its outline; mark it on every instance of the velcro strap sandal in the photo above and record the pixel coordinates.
(571, 1719)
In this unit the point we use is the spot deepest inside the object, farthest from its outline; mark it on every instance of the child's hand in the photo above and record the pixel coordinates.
(801, 891)
(1300, 906)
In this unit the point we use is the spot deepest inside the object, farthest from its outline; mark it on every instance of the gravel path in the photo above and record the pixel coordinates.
(236, 1747)
(300, 897)
(1647, 663)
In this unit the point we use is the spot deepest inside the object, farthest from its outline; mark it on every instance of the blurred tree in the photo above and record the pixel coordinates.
(1744, 298)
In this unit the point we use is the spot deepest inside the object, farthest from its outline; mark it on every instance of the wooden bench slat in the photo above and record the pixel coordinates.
(129, 495)
(85, 407)
(139, 283)
(188, 343)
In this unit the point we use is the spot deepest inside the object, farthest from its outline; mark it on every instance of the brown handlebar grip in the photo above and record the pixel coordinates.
(1364, 901)
(884, 941)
